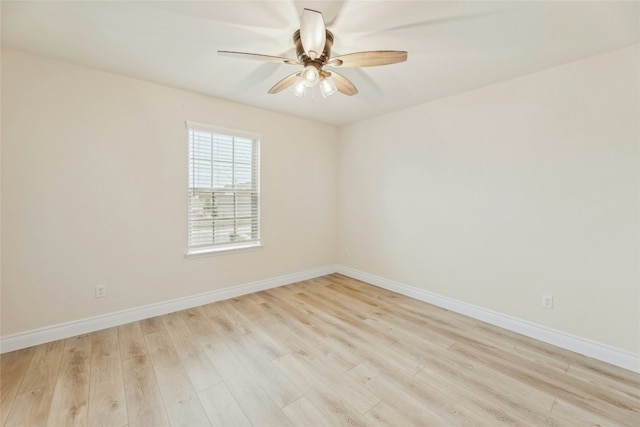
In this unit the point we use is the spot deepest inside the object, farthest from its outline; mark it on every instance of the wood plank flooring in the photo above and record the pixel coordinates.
(331, 351)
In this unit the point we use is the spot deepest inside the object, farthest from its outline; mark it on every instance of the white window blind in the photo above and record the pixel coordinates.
(224, 190)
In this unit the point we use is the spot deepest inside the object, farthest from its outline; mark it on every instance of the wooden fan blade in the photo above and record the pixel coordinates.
(369, 59)
(284, 83)
(343, 84)
(258, 57)
(312, 33)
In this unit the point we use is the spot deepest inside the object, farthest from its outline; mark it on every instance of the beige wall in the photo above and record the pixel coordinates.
(496, 196)
(491, 197)
(94, 191)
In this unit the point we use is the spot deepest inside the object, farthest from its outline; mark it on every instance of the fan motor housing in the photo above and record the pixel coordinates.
(305, 59)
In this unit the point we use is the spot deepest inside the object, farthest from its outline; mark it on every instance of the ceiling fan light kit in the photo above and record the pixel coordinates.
(310, 76)
(327, 86)
(313, 43)
(299, 89)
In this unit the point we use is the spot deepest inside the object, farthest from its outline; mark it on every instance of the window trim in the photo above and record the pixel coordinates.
(223, 250)
(231, 247)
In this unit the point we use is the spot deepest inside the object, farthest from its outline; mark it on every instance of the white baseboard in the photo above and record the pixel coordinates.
(92, 324)
(564, 340)
(605, 353)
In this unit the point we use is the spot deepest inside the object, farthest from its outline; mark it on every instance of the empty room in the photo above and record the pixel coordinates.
(320, 213)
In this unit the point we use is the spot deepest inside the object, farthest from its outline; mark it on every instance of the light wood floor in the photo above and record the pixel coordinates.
(329, 351)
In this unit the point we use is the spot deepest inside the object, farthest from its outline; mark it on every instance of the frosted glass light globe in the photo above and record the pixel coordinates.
(310, 76)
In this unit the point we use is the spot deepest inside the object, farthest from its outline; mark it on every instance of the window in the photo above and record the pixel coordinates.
(224, 190)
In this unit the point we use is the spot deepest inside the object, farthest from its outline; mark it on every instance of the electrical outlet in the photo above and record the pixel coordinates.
(547, 301)
(101, 291)
(346, 253)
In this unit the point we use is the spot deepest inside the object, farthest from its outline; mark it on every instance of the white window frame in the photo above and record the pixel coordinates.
(231, 247)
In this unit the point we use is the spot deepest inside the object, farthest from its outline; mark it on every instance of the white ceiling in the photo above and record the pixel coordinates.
(452, 46)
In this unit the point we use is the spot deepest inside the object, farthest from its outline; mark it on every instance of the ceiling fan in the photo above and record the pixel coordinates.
(313, 44)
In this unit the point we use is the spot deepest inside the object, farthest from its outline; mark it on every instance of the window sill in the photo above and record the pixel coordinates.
(223, 251)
